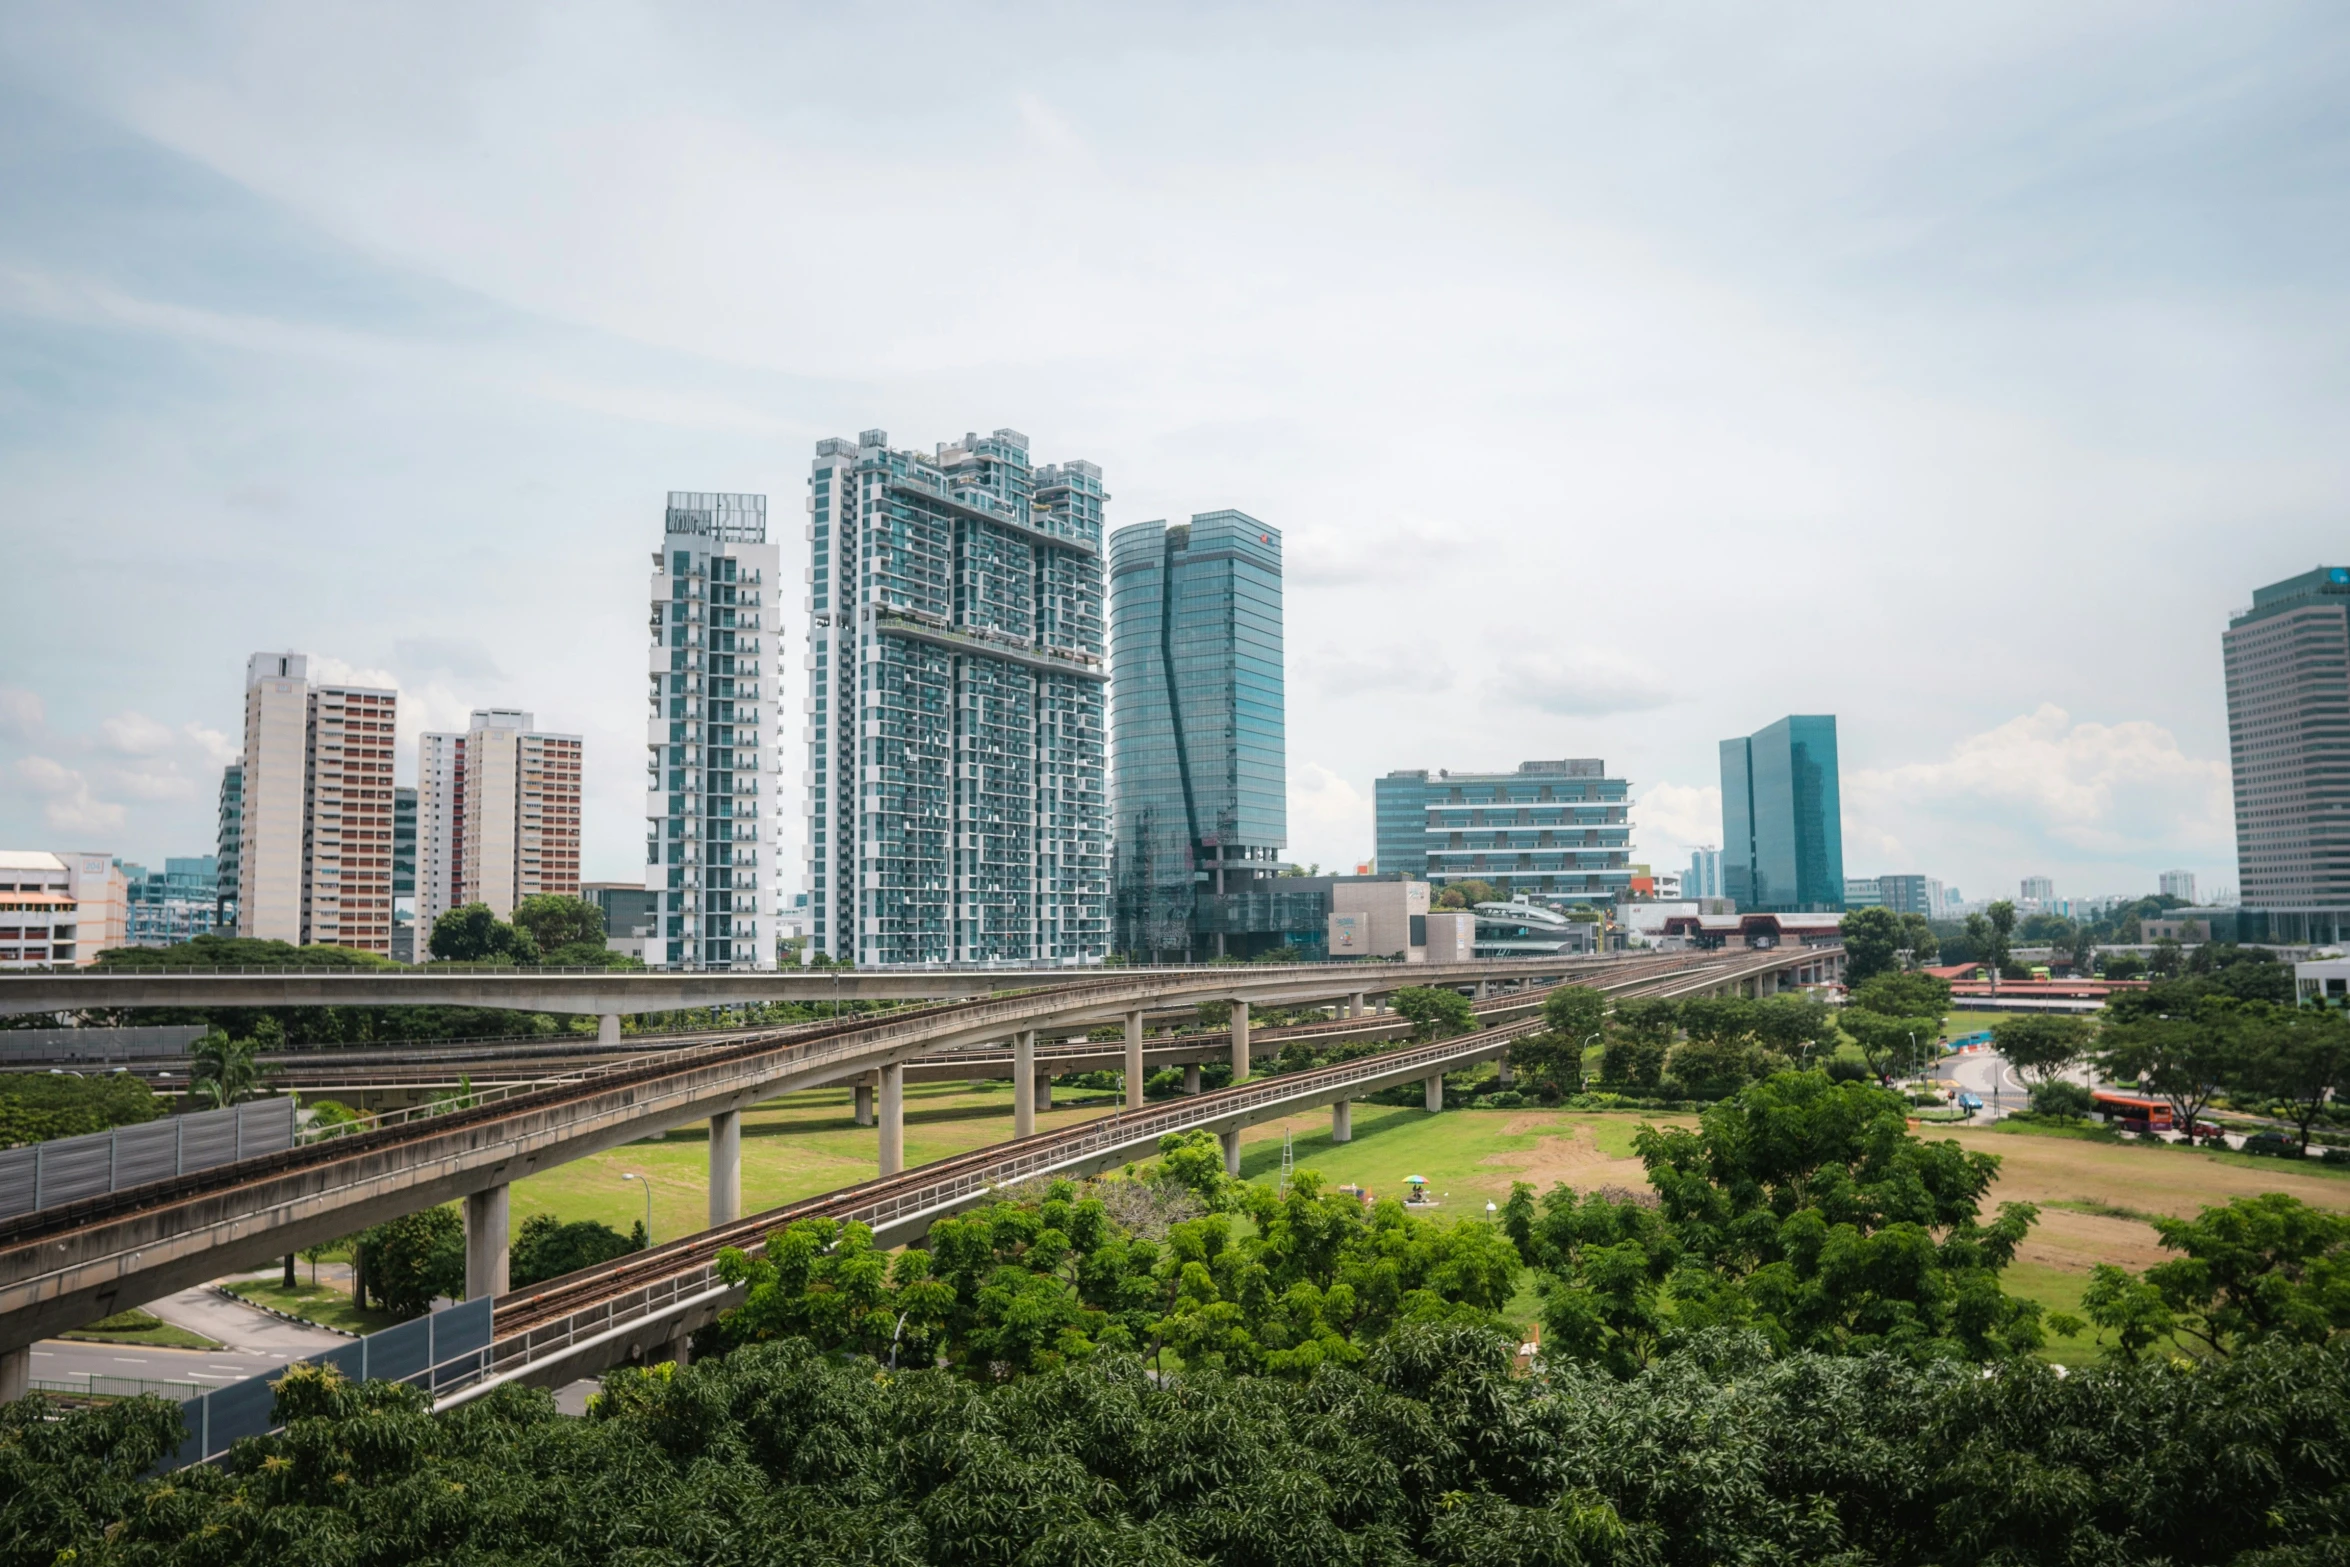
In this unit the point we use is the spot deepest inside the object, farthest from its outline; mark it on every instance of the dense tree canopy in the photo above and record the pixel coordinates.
(36, 1106)
(1430, 1450)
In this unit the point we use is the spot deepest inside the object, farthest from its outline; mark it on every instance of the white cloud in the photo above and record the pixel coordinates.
(1581, 683)
(1330, 820)
(21, 713)
(68, 804)
(135, 734)
(1670, 819)
(215, 747)
(2042, 789)
(1377, 665)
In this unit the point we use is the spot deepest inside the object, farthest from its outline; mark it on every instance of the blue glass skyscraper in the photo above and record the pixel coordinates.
(1198, 746)
(1782, 818)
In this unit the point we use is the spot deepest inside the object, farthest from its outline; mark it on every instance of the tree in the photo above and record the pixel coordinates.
(555, 921)
(410, 1261)
(1904, 995)
(1919, 941)
(547, 1248)
(1873, 939)
(2062, 1099)
(470, 933)
(1790, 1024)
(2167, 959)
(1435, 1011)
(1895, 1019)
(2122, 965)
(224, 1072)
(1991, 933)
(2041, 1045)
(36, 1106)
(1576, 1012)
(1801, 1208)
(2260, 1268)
(2187, 1060)
(2301, 1057)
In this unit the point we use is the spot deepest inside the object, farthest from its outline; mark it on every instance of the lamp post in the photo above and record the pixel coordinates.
(1582, 1078)
(648, 1185)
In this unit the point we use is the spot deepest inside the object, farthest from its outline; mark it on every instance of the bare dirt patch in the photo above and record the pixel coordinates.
(1572, 1156)
(2076, 1242)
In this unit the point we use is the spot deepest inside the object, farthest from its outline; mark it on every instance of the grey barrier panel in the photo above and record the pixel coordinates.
(446, 1349)
(140, 1042)
(67, 1169)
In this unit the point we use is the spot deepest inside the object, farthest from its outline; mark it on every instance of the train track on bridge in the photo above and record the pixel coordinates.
(599, 1317)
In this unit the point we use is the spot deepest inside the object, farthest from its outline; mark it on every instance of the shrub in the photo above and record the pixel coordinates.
(2061, 1100)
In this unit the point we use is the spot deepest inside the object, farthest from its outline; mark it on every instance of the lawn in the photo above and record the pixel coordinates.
(141, 1327)
(325, 1304)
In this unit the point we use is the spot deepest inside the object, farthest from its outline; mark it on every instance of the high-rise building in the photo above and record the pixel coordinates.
(404, 943)
(1863, 892)
(315, 823)
(1910, 894)
(713, 772)
(1782, 820)
(1399, 804)
(226, 846)
(175, 904)
(2038, 891)
(956, 803)
(1199, 730)
(1704, 878)
(2177, 884)
(2287, 660)
(497, 815)
(1559, 832)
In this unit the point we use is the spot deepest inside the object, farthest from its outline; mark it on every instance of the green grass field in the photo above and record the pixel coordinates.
(324, 1304)
(141, 1327)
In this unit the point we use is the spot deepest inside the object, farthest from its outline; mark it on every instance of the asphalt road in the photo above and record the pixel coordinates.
(255, 1340)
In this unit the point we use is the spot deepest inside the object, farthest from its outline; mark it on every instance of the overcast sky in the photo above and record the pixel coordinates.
(1622, 377)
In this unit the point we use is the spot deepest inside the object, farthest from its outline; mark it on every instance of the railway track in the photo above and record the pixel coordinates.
(608, 1299)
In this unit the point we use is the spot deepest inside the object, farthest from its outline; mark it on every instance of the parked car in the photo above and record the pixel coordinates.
(2282, 1144)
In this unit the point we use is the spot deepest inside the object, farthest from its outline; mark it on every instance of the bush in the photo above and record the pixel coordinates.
(36, 1106)
(547, 1248)
(1506, 1099)
(1843, 1069)
(2060, 1100)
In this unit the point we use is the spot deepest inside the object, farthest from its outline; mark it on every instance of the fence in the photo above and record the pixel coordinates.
(67, 1169)
(146, 1042)
(438, 1353)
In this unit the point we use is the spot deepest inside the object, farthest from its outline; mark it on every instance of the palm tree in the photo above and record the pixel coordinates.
(225, 1072)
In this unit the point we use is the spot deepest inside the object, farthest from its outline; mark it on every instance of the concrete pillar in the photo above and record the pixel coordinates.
(1502, 1068)
(893, 1118)
(1231, 1142)
(1342, 1121)
(1134, 1059)
(679, 1349)
(485, 1243)
(16, 1374)
(289, 1278)
(1023, 1079)
(1357, 1004)
(1239, 1042)
(1481, 989)
(865, 1099)
(608, 1031)
(1435, 1087)
(1044, 1090)
(726, 1167)
(1191, 1078)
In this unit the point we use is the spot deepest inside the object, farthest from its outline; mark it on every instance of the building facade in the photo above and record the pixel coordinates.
(1908, 894)
(1704, 876)
(405, 946)
(2287, 662)
(1200, 734)
(1864, 892)
(1782, 818)
(632, 916)
(956, 791)
(176, 904)
(714, 768)
(2036, 894)
(60, 910)
(314, 846)
(2177, 884)
(1557, 831)
(227, 839)
(1399, 804)
(496, 815)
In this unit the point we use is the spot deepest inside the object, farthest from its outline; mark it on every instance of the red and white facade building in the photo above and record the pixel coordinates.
(60, 910)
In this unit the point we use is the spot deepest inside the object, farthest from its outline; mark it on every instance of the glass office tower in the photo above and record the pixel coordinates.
(1201, 757)
(1557, 831)
(714, 764)
(2287, 661)
(1782, 819)
(956, 805)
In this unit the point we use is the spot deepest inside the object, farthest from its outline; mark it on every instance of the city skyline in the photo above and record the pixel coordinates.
(352, 358)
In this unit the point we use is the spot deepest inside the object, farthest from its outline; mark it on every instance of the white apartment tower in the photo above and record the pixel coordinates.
(315, 851)
(956, 800)
(713, 775)
(497, 815)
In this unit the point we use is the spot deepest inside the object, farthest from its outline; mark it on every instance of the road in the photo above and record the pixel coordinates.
(255, 1342)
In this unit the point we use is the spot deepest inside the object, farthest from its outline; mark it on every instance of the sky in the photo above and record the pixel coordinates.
(1621, 376)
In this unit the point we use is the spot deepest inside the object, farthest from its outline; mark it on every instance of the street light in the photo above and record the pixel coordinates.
(633, 1176)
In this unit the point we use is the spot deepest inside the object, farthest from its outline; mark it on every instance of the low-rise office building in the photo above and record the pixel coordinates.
(60, 910)
(1377, 917)
(1559, 831)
